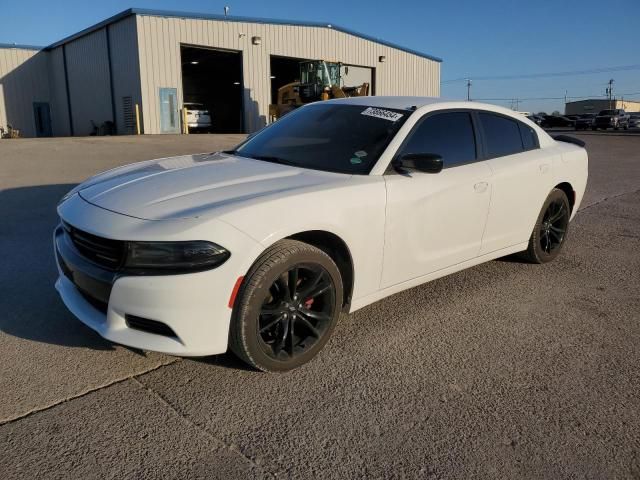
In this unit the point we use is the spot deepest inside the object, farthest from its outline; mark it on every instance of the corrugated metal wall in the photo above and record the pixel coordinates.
(88, 76)
(23, 80)
(59, 107)
(125, 67)
(159, 40)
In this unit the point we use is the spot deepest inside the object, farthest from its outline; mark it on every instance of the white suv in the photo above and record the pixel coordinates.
(198, 117)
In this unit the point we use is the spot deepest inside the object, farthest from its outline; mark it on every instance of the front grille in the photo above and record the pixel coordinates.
(94, 302)
(102, 251)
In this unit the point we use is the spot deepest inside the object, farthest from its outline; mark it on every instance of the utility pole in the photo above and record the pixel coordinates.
(468, 89)
(610, 92)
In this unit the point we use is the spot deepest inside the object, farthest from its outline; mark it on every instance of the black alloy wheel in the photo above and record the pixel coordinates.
(297, 311)
(551, 228)
(287, 307)
(554, 226)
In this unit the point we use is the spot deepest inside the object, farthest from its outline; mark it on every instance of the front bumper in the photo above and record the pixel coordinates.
(194, 306)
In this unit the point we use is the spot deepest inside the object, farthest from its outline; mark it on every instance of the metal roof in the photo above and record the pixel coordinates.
(21, 47)
(209, 16)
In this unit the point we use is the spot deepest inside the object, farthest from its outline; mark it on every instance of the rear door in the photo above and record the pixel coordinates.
(522, 179)
(434, 221)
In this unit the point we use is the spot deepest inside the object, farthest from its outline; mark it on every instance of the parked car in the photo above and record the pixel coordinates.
(537, 119)
(585, 121)
(634, 120)
(260, 248)
(615, 119)
(198, 117)
(551, 121)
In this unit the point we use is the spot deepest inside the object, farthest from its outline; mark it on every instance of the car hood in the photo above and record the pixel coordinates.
(195, 185)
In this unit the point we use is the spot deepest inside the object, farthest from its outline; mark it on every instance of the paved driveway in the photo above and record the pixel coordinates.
(506, 370)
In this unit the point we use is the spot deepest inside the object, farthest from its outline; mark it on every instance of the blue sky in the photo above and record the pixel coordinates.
(474, 37)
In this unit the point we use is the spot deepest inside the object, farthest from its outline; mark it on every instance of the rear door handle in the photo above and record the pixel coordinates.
(480, 187)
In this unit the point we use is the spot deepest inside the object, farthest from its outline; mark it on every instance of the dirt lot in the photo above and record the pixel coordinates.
(506, 370)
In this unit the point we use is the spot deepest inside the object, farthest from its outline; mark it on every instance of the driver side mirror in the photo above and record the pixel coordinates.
(423, 162)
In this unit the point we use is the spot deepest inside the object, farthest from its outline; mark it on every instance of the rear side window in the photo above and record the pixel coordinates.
(502, 135)
(529, 137)
(449, 135)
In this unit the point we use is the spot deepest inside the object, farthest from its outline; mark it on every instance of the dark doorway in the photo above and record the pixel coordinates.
(283, 70)
(42, 118)
(213, 78)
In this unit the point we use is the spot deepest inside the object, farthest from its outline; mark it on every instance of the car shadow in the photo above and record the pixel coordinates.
(30, 305)
(31, 308)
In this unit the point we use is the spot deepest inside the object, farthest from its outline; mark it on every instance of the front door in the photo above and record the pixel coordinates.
(42, 119)
(436, 220)
(169, 118)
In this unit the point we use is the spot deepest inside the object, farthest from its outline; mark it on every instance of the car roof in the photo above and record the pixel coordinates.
(406, 103)
(391, 102)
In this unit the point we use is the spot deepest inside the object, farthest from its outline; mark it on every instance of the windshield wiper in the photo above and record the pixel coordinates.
(230, 152)
(273, 159)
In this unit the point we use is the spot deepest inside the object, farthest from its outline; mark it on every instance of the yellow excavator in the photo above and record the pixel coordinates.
(319, 80)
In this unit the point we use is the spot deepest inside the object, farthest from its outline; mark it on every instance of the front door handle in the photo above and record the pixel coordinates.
(544, 168)
(480, 187)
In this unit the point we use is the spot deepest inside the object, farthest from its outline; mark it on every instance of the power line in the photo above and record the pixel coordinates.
(509, 99)
(620, 68)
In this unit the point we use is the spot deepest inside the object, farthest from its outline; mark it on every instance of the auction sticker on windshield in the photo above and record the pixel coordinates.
(382, 113)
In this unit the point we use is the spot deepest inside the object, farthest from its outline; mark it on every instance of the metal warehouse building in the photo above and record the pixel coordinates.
(599, 104)
(156, 61)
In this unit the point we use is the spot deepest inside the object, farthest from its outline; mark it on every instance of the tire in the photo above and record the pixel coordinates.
(266, 317)
(548, 238)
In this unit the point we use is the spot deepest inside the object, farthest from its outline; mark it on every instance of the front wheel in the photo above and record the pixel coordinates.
(287, 307)
(551, 228)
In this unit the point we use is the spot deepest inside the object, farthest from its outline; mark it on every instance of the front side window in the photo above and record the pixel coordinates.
(501, 135)
(326, 136)
(448, 134)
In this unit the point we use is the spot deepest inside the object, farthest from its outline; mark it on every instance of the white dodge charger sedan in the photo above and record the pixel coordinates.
(335, 206)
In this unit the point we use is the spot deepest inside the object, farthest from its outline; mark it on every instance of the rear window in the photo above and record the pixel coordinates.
(501, 134)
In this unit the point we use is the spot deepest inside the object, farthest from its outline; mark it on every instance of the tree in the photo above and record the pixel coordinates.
(556, 113)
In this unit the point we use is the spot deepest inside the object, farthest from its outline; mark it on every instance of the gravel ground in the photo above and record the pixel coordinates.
(505, 370)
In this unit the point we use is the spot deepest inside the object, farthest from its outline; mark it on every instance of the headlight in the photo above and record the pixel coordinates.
(190, 255)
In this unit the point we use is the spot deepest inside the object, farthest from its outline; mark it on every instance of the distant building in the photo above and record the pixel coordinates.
(142, 66)
(595, 105)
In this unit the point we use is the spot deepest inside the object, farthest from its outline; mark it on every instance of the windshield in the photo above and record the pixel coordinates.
(322, 73)
(331, 137)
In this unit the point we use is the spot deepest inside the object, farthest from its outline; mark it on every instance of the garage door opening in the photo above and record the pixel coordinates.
(212, 83)
(285, 70)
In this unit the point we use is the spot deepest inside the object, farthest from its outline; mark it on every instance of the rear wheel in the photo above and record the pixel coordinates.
(550, 231)
(287, 307)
